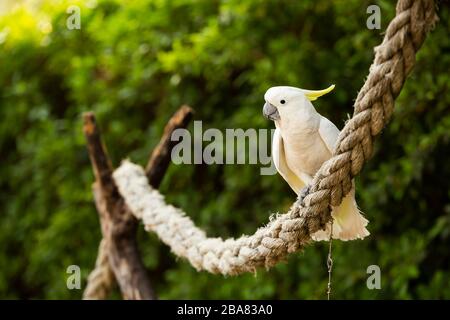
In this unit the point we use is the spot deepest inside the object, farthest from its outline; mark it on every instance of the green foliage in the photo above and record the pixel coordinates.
(135, 62)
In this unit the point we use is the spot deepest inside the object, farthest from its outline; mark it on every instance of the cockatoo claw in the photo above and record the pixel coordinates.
(303, 193)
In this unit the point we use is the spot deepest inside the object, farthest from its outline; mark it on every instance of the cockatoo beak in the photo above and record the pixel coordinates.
(270, 112)
(314, 94)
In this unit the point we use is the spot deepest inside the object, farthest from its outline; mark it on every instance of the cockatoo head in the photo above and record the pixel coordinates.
(283, 102)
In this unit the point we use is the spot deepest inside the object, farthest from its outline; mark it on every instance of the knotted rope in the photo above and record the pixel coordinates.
(394, 60)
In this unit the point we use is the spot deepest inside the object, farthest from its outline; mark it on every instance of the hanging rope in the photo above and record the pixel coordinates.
(394, 60)
(330, 261)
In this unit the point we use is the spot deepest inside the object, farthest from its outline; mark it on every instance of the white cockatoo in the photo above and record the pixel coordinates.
(302, 142)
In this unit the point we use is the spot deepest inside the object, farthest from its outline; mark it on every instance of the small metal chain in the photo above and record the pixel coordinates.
(330, 261)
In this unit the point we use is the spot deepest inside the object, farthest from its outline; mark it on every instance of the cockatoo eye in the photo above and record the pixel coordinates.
(282, 101)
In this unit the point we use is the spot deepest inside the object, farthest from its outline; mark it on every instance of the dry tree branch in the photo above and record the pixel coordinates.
(118, 252)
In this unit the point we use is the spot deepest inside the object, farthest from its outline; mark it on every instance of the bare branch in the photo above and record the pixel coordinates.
(120, 224)
(160, 158)
(117, 223)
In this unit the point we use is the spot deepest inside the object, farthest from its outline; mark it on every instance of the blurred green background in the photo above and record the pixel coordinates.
(135, 62)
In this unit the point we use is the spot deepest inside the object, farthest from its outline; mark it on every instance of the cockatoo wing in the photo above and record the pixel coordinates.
(279, 159)
(328, 132)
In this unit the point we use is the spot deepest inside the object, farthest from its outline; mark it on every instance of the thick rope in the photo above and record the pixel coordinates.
(290, 232)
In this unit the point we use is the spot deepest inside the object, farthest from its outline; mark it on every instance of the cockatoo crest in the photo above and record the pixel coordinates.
(276, 95)
(284, 99)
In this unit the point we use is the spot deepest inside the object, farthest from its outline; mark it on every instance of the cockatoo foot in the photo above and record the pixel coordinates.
(303, 194)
